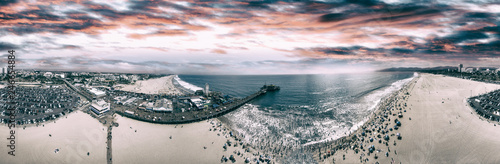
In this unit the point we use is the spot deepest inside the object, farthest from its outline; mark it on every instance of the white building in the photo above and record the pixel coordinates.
(97, 93)
(48, 74)
(61, 75)
(99, 107)
(163, 109)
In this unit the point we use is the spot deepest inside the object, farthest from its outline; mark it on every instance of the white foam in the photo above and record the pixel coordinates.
(186, 84)
(372, 100)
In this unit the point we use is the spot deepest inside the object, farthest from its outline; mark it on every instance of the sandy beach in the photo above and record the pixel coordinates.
(437, 127)
(74, 136)
(142, 142)
(161, 85)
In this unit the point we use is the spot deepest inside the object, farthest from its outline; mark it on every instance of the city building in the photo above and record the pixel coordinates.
(100, 107)
(97, 93)
(199, 92)
(48, 74)
(61, 75)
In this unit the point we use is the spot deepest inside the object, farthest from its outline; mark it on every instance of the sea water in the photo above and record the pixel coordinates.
(308, 109)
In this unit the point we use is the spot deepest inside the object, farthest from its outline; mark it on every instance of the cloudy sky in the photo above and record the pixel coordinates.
(249, 37)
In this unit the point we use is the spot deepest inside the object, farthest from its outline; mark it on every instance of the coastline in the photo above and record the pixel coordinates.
(437, 127)
(176, 81)
(396, 86)
(329, 148)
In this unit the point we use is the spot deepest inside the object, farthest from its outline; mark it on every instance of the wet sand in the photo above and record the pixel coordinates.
(442, 129)
(152, 144)
(74, 136)
(161, 85)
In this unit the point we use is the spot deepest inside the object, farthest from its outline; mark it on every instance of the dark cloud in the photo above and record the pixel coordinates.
(363, 2)
(315, 7)
(40, 14)
(461, 36)
(7, 2)
(333, 17)
(74, 21)
(145, 5)
(480, 15)
(402, 51)
(491, 49)
(259, 4)
(381, 13)
(394, 13)
(7, 46)
(448, 47)
(336, 50)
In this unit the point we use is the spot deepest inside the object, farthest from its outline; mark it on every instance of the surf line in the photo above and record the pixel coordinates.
(11, 101)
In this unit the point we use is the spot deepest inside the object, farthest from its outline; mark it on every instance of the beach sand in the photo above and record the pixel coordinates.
(442, 129)
(75, 135)
(152, 144)
(161, 85)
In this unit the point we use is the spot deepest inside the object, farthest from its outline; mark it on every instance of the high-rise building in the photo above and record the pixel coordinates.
(460, 67)
(3, 71)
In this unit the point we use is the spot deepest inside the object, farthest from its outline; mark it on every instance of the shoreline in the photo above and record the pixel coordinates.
(437, 126)
(312, 148)
(320, 150)
(179, 86)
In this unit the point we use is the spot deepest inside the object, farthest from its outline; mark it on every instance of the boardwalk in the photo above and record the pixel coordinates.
(109, 147)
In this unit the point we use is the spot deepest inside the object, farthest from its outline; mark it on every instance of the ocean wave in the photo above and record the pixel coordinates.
(186, 84)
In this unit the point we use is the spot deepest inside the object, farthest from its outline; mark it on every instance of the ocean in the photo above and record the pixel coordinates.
(308, 109)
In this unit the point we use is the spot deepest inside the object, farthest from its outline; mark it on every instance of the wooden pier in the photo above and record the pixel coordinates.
(179, 120)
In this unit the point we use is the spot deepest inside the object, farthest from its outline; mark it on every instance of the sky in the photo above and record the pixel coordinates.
(248, 37)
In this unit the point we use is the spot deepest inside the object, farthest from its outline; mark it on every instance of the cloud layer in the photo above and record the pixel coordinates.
(249, 37)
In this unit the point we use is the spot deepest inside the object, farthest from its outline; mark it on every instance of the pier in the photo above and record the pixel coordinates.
(189, 117)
